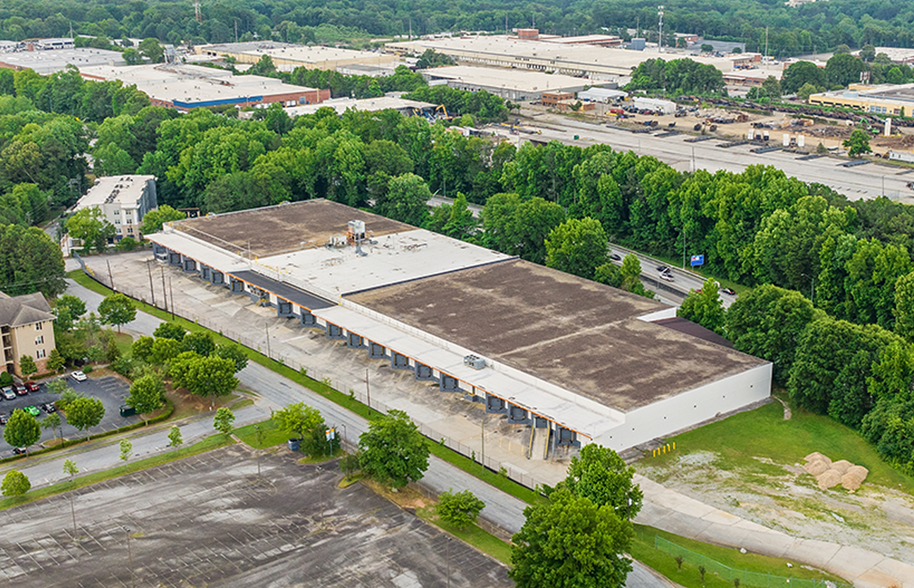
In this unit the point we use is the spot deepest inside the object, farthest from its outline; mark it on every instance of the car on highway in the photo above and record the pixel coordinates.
(8, 393)
(663, 269)
(48, 407)
(79, 376)
(615, 257)
(20, 390)
(668, 277)
(32, 386)
(728, 291)
(32, 410)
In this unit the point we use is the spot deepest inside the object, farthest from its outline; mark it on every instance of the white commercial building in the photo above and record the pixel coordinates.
(514, 85)
(287, 57)
(661, 106)
(48, 62)
(571, 360)
(605, 95)
(123, 200)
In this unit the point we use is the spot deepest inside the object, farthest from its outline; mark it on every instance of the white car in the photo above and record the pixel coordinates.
(667, 276)
(79, 376)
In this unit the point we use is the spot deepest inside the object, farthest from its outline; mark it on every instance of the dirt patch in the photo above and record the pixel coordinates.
(406, 498)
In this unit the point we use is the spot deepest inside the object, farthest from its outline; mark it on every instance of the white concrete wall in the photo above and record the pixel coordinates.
(689, 408)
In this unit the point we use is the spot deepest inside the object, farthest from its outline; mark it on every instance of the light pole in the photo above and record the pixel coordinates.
(266, 327)
(259, 442)
(129, 555)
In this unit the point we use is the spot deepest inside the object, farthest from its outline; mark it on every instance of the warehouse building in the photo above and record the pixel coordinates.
(184, 87)
(513, 85)
(287, 56)
(48, 62)
(574, 360)
(890, 99)
(341, 105)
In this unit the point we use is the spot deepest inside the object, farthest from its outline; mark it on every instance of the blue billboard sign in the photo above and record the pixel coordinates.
(698, 260)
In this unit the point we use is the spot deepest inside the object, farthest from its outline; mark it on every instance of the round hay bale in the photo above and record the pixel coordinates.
(816, 468)
(858, 471)
(828, 479)
(850, 482)
(841, 466)
(816, 456)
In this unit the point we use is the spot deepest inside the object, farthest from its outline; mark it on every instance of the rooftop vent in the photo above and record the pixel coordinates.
(475, 362)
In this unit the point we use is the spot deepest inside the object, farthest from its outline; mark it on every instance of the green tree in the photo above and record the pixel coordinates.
(132, 56)
(802, 73)
(233, 352)
(211, 376)
(577, 246)
(459, 508)
(22, 429)
(116, 309)
(393, 451)
(89, 226)
(147, 395)
(55, 361)
(630, 276)
(52, 422)
(200, 342)
(32, 261)
(868, 53)
(27, 366)
(169, 330)
(112, 351)
(58, 386)
(767, 322)
(858, 143)
(299, 420)
(349, 464)
(141, 349)
(174, 437)
(407, 199)
(164, 350)
(151, 50)
(598, 473)
(772, 87)
(84, 413)
(68, 309)
(570, 541)
(154, 219)
(15, 484)
(704, 307)
(223, 420)
(126, 448)
(843, 69)
(805, 91)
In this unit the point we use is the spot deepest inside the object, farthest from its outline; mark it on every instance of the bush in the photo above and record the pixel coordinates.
(6, 379)
(88, 369)
(460, 508)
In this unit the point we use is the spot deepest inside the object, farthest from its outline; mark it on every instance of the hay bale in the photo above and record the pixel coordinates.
(841, 466)
(828, 479)
(816, 467)
(858, 471)
(850, 482)
(817, 456)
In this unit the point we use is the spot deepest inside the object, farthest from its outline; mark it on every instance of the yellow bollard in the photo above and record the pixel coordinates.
(674, 445)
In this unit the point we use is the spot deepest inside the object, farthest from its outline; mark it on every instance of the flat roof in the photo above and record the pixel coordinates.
(593, 57)
(341, 105)
(286, 227)
(48, 62)
(510, 79)
(582, 39)
(192, 83)
(575, 333)
(310, 54)
(125, 190)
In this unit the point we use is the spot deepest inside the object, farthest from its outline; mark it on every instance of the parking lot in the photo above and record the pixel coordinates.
(111, 390)
(210, 520)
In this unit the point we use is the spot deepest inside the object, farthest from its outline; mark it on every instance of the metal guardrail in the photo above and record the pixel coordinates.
(745, 577)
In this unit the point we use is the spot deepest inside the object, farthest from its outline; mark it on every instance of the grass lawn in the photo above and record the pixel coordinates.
(123, 342)
(763, 432)
(644, 551)
(328, 392)
(270, 435)
(208, 444)
(472, 534)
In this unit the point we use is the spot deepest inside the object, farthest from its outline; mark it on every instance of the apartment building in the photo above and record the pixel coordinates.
(26, 328)
(123, 200)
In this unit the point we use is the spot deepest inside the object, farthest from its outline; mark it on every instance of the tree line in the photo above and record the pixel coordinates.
(781, 30)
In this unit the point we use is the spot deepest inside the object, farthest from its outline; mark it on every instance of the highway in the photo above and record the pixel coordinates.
(277, 391)
(862, 182)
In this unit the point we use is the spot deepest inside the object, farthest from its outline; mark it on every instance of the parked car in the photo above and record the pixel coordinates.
(18, 451)
(79, 376)
(20, 390)
(728, 291)
(127, 411)
(3, 419)
(48, 407)
(32, 410)
(8, 393)
(32, 386)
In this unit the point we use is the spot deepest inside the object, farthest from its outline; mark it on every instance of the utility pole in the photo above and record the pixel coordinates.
(129, 556)
(266, 327)
(448, 562)
(259, 443)
(110, 277)
(368, 391)
(683, 246)
(766, 44)
(164, 292)
(172, 294)
(660, 34)
(151, 289)
(483, 425)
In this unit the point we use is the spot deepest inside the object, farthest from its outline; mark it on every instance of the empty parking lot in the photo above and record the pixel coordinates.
(210, 521)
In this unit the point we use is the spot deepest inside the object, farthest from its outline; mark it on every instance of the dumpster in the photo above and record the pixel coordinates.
(294, 444)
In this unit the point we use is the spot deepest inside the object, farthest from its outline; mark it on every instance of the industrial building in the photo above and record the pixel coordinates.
(287, 56)
(184, 87)
(123, 201)
(894, 100)
(341, 105)
(46, 62)
(572, 359)
(511, 85)
(604, 95)
(502, 51)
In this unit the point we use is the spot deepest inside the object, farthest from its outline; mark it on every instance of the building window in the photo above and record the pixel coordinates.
(39, 340)
(38, 326)
(40, 354)
(130, 231)
(117, 213)
(117, 222)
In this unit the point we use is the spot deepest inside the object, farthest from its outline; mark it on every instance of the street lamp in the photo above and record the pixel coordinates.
(129, 555)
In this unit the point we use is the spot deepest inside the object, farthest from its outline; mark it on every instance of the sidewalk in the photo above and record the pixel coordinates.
(674, 512)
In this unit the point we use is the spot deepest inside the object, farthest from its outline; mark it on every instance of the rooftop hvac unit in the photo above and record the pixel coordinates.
(357, 230)
(475, 362)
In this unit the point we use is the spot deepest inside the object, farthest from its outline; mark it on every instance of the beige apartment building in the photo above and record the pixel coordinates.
(26, 328)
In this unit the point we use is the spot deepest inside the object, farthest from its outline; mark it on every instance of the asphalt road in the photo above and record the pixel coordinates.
(865, 181)
(501, 509)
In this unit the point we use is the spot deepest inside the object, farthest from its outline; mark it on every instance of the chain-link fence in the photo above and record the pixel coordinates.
(745, 577)
(271, 347)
